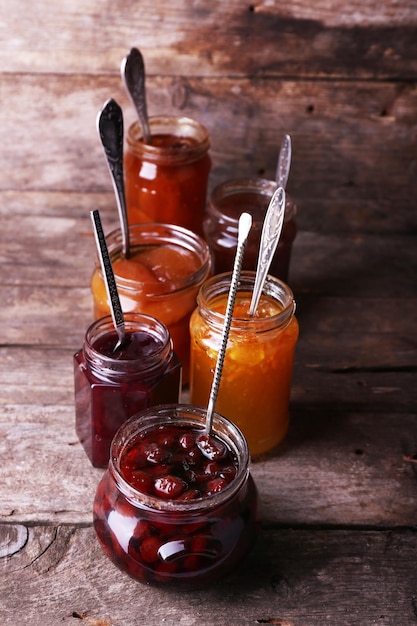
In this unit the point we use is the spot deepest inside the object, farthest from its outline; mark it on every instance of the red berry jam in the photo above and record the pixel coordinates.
(178, 462)
(177, 507)
(112, 386)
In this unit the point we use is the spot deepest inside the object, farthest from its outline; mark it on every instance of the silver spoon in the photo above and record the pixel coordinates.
(284, 162)
(110, 282)
(245, 223)
(133, 74)
(271, 232)
(110, 130)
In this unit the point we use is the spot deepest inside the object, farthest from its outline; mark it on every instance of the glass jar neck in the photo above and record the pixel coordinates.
(146, 366)
(275, 289)
(179, 415)
(176, 141)
(229, 198)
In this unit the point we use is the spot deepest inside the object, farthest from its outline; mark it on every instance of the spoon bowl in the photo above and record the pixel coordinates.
(110, 130)
(133, 74)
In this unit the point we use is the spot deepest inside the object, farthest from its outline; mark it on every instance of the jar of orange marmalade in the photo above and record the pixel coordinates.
(166, 180)
(161, 278)
(254, 391)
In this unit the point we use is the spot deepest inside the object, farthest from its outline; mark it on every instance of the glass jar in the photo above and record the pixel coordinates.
(255, 386)
(161, 278)
(166, 181)
(183, 542)
(110, 387)
(226, 203)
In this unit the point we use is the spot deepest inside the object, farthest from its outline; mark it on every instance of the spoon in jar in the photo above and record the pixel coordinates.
(133, 74)
(284, 162)
(245, 223)
(271, 232)
(109, 280)
(110, 130)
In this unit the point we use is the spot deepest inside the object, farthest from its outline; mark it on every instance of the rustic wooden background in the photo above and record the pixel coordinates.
(340, 78)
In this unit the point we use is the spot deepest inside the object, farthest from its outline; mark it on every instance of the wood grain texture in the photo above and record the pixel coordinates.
(353, 144)
(326, 38)
(292, 578)
(338, 497)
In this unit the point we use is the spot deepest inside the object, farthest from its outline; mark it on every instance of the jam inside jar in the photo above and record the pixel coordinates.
(177, 507)
(161, 278)
(257, 373)
(112, 386)
(226, 203)
(166, 180)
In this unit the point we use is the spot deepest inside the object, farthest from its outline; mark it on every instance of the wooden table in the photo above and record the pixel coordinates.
(339, 497)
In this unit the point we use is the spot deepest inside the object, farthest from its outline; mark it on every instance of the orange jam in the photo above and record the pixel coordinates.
(166, 181)
(255, 387)
(161, 278)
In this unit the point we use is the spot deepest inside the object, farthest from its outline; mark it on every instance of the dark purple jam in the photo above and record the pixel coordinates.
(112, 386)
(136, 345)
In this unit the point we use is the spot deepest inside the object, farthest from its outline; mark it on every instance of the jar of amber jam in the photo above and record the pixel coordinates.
(166, 180)
(177, 507)
(112, 386)
(226, 203)
(255, 386)
(161, 278)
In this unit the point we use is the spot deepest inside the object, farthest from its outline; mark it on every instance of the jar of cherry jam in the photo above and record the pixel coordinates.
(112, 386)
(177, 507)
(166, 180)
(226, 203)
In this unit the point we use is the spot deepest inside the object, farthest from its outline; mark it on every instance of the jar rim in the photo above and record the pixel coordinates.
(255, 186)
(181, 127)
(274, 288)
(179, 414)
(109, 366)
(153, 233)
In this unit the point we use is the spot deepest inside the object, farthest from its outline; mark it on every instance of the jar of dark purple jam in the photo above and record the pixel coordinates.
(177, 507)
(227, 201)
(112, 386)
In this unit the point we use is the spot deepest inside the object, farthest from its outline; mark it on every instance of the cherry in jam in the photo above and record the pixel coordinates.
(175, 462)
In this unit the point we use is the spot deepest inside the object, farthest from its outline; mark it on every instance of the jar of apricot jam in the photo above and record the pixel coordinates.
(226, 203)
(112, 386)
(166, 180)
(177, 507)
(161, 278)
(255, 386)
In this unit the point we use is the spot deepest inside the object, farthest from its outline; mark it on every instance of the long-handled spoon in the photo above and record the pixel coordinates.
(133, 74)
(110, 282)
(284, 162)
(245, 223)
(110, 130)
(271, 232)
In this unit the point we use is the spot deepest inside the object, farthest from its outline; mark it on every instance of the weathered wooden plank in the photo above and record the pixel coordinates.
(353, 143)
(66, 254)
(291, 578)
(335, 467)
(378, 372)
(234, 38)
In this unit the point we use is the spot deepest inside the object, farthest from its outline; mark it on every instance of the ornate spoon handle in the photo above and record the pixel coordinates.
(271, 233)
